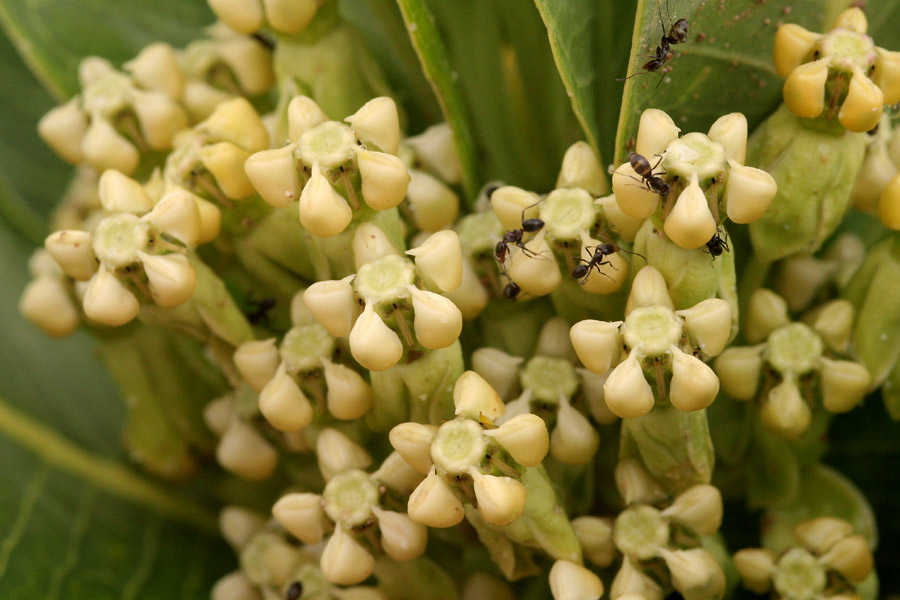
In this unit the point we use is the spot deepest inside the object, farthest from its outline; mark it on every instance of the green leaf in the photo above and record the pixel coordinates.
(76, 526)
(54, 35)
(724, 66)
(381, 24)
(436, 64)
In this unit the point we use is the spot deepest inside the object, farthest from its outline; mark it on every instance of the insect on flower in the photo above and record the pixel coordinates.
(652, 181)
(516, 236)
(294, 592)
(717, 244)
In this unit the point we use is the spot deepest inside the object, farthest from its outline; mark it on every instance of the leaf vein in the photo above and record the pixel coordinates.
(149, 550)
(79, 529)
(26, 508)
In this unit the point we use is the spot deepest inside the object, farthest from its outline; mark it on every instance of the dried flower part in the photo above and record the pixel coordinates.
(569, 581)
(581, 169)
(257, 362)
(525, 437)
(756, 567)
(283, 404)
(433, 503)
(373, 344)
(244, 452)
(302, 516)
(344, 560)
(337, 453)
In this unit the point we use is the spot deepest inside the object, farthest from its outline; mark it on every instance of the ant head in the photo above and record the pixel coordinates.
(511, 291)
(606, 248)
(679, 31)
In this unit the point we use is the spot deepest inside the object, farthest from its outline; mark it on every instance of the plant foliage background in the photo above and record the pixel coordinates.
(527, 79)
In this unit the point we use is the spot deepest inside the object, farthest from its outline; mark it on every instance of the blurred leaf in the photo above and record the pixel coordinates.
(724, 66)
(77, 526)
(436, 64)
(520, 114)
(614, 23)
(381, 24)
(54, 35)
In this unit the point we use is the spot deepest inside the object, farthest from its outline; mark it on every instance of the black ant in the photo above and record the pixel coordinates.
(260, 312)
(652, 181)
(294, 591)
(516, 236)
(601, 251)
(511, 291)
(718, 244)
(677, 35)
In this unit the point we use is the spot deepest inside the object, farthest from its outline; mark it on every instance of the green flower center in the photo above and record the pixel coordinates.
(799, 576)
(640, 532)
(549, 378)
(119, 238)
(304, 347)
(330, 143)
(567, 212)
(384, 281)
(694, 153)
(794, 348)
(652, 329)
(458, 445)
(848, 49)
(349, 497)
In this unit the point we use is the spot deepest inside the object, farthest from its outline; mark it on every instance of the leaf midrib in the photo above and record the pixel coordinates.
(107, 475)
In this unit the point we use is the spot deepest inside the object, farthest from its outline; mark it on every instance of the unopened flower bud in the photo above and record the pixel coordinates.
(748, 193)
(861, 110)
(104, 148)
(237, 121)
(656, 131)
(437, 321)
(63, 129)
(648, 289)
(633, 198)
(822, 533)
(570, 581)
(225, 161)
(234, 586)
(333, 304)
(302, 516)
(851, 557)
(508, 203)
(784, 411)
(695, 573)
(525, 437)
(756, 567)
(46, 303)
(303, 114)
(373, 344)
(71, 249)
(283, 404)
(171, 278)
(844, 384)
(384, 179)
(694, 385)
(274, 175)
(251, 63)
(120, 193)
(535, 270)
(766, 313)
(160, 118)
(439, 260)
(377, 123)
(337, 453)
(290, 16)
(241, 15)
(257, 362)
(804, 89)
(793, 45)
(244, 452)
(344, 560)
(499, 369)
(348, 396)
(108, 301)
(177, 214)
(434, 504)
(887, 75)
(433, 204)
(501, 500)
(690, 224)
(401, 537)
(413, 442)
(474, 398)
(636, 485)
(156, 68)
(699, 508)
(574, 440)
(731, 132)
(739, 370)
(626, 390)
